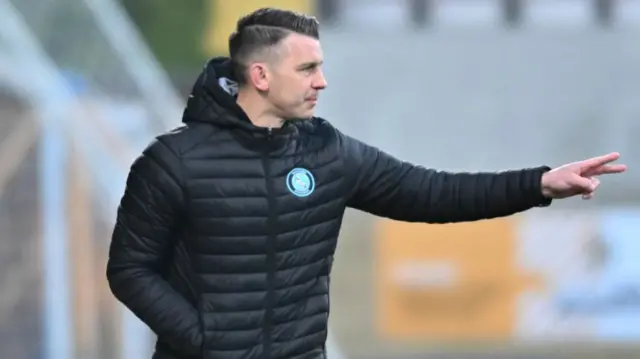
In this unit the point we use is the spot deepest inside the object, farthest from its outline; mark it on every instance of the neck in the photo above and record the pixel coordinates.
(257, 110)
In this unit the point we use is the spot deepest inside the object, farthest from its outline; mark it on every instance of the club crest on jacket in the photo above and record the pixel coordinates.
(300, 182)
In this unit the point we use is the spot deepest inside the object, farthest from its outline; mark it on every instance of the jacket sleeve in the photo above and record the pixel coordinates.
(385, 186)
(143, 238)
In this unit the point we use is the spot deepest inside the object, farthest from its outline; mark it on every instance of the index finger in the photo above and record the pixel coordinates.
(599, 161)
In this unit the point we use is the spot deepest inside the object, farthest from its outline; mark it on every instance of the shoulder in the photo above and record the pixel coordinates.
(166, 150)
(320, 128)
(325, 135)
(182, 139)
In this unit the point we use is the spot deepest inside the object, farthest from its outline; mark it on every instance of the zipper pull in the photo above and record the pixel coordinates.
(269, 133)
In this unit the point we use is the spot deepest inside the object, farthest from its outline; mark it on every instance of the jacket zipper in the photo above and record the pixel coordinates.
(271, 250)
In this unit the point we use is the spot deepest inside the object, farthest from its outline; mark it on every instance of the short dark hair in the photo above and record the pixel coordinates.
(264, 28)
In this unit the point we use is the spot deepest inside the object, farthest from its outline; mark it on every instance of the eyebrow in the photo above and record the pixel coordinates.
(309, 65)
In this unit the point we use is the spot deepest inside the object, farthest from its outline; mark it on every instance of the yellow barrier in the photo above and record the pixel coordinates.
(442, 282)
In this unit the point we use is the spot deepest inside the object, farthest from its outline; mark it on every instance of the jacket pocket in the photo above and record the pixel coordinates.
(186, 281)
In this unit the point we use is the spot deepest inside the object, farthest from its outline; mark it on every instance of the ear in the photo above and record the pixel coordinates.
(259, 76)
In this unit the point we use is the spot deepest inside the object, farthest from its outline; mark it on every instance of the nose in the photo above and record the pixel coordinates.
(320, 82)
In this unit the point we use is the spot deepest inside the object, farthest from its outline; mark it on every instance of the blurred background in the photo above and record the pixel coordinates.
(451, 84)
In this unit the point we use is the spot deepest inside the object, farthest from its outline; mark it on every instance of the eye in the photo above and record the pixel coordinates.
(309, 69)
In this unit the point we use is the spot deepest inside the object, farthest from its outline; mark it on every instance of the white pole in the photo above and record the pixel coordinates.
(58, 317)
(58, 326)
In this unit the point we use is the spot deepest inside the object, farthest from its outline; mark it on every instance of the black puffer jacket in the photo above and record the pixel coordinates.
(225, 235)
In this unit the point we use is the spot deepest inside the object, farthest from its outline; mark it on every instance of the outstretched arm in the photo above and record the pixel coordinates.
(385, 186)
(149, 213)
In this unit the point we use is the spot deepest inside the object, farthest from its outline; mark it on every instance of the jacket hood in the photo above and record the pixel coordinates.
(213, 99)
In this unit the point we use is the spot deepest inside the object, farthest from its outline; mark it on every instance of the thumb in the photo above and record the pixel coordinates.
(583, 183)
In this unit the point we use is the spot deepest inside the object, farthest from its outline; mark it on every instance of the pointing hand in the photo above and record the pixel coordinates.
(579, 178)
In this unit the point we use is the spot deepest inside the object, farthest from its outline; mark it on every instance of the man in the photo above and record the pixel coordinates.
(226, 232)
